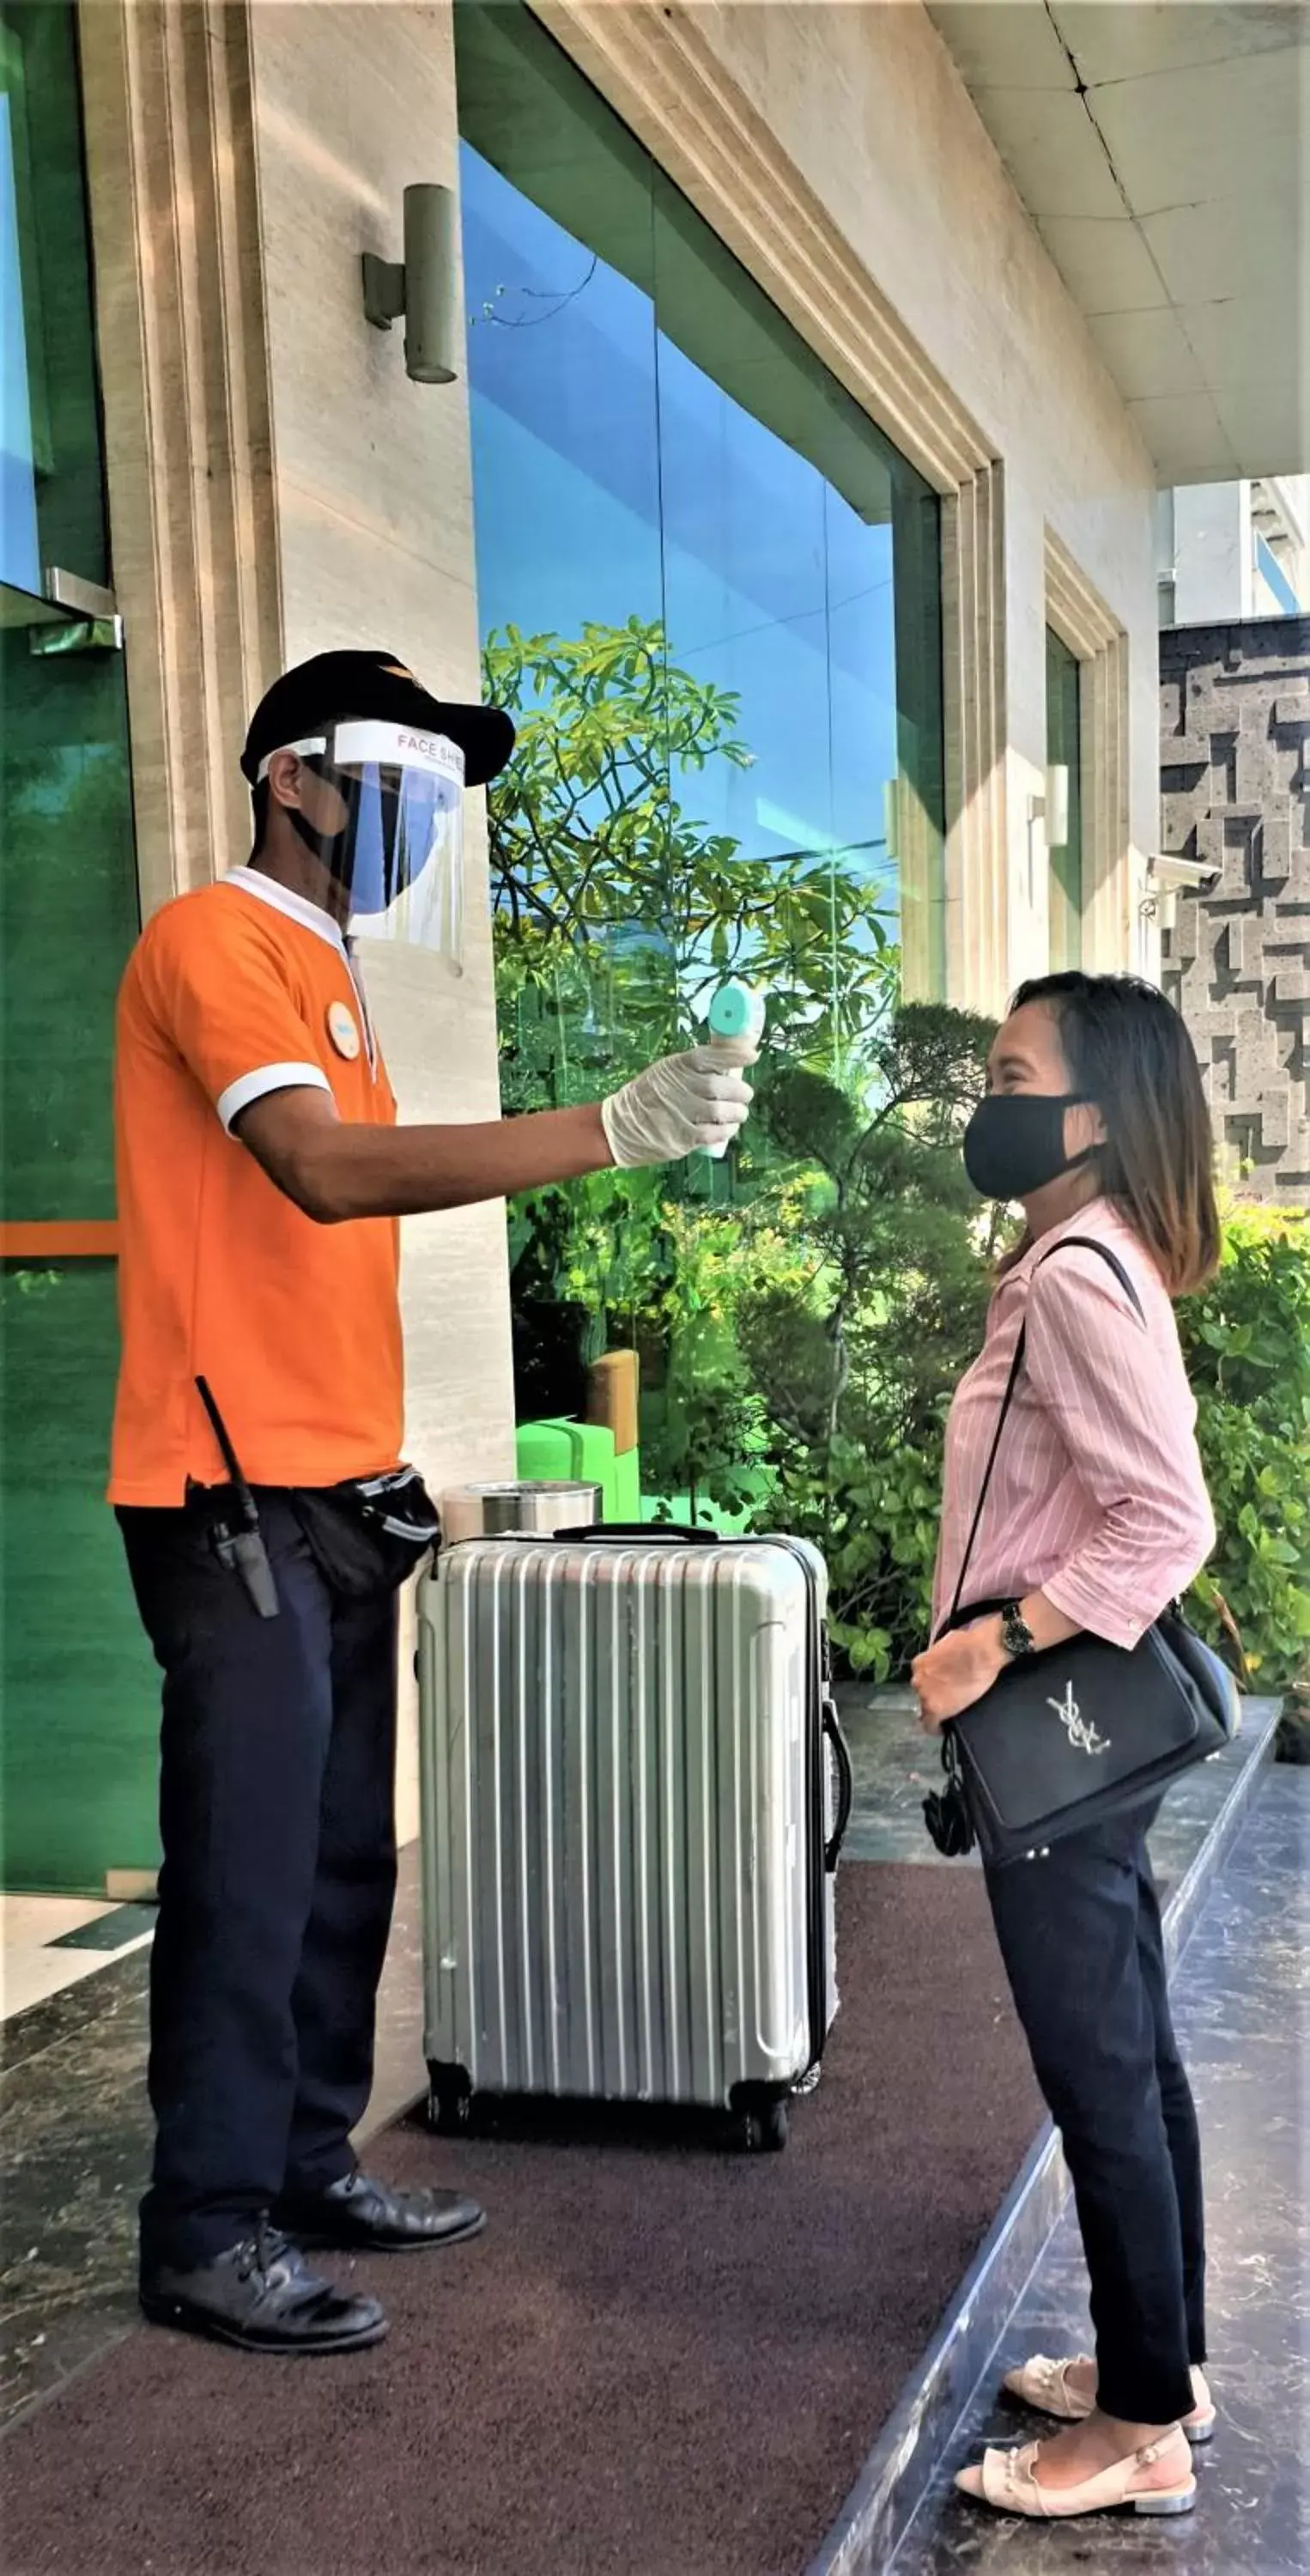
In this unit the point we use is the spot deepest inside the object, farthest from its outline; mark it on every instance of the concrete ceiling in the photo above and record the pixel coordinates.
(1162, 148)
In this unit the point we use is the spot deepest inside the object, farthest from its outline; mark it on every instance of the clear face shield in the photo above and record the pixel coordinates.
(388, 826)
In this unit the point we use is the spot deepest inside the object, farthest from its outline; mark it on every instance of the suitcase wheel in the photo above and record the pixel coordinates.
(763, 2130)
(450, 2098)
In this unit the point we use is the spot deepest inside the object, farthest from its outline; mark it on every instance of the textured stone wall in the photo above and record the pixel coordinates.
(1235, 794)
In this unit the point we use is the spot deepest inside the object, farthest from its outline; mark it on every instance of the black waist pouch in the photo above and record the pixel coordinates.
(368, 1534)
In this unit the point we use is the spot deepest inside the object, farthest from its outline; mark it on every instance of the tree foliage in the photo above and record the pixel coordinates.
(616, 910)
(1246, 1341)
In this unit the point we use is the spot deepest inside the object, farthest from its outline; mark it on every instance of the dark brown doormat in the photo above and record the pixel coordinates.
(658, 2361)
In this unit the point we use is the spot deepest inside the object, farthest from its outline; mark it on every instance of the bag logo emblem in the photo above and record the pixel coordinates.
(1080, 1730)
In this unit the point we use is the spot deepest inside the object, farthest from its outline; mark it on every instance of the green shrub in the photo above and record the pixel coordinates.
(1246, 1341)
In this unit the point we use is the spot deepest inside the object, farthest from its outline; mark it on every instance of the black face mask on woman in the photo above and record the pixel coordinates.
(1014, 1142)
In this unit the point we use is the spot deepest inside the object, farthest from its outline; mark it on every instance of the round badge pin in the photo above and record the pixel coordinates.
(343, 1030)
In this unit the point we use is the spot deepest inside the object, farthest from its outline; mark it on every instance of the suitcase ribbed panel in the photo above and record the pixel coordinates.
(617, 1753)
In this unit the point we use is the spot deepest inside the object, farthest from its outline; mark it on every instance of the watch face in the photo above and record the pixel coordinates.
(1016, 1634)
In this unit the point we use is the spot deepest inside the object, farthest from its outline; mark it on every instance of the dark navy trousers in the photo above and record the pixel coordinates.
(278, 1877)
(1081, 1939)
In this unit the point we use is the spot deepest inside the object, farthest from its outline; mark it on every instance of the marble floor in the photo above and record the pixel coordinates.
(1242, 2001)
(75, 2144)
(49, 1942)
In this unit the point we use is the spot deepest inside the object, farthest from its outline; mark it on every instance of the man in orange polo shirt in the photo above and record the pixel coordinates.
(257, 1472)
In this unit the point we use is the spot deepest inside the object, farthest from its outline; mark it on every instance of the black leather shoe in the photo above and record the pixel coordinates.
(364, 2216)
(263, 2297)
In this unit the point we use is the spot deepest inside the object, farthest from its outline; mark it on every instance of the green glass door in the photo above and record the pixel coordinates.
(79, 1695)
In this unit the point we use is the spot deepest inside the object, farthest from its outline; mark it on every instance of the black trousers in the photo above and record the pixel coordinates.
(1080, 1936)
(278, 1878)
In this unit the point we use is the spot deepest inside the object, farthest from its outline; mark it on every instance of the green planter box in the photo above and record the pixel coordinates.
(585, 1452)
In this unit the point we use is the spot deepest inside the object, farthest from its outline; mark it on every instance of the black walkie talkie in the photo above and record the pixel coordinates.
(242, 1551)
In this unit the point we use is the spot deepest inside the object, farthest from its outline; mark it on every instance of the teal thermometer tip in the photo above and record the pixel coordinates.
(736, 1013)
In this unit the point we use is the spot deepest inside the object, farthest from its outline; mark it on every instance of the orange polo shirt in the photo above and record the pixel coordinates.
(237, 990)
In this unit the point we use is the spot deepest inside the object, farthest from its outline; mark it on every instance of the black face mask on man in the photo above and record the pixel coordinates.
(1014, 1142)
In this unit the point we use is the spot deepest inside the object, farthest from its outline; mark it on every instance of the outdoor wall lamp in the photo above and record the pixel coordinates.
(1057, 805)
(1050, 810)
(422, 286)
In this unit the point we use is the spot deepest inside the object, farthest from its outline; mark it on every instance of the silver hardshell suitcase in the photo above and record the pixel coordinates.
(634, 1793)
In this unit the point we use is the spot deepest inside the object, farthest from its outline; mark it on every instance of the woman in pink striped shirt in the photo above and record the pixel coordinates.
(1096, 1517)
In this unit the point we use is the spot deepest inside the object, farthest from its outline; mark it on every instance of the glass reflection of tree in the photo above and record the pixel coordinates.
(616, 911)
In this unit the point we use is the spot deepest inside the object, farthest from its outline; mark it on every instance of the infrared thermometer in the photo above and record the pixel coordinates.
(736, 1025)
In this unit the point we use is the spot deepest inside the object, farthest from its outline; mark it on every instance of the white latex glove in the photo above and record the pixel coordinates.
(681, 1105)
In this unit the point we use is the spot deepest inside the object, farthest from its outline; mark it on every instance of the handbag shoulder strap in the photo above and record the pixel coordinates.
(1090, 1243)
(1084, 1243)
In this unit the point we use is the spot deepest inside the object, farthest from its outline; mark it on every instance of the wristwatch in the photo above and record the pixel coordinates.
(1016, 1635)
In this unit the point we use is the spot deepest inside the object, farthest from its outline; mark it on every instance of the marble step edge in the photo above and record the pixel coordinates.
(874, 2520)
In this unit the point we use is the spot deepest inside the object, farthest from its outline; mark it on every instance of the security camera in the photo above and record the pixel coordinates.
(1173, 875)
(1166, 878)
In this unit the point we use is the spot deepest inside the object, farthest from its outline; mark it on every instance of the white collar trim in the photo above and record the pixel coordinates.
(296, 907)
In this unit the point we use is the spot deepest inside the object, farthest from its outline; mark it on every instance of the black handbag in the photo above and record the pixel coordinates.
(1079, 1732)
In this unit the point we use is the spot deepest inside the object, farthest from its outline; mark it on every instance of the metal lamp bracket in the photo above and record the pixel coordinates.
(384, 290)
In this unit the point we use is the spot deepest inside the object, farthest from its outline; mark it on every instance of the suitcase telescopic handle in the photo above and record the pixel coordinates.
(845, 1783)
(676, 1532)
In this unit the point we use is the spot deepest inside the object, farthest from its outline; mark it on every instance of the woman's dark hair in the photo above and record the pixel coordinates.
(1128, 1050)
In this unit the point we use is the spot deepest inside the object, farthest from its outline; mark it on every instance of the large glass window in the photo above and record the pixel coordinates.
(1065, 827)
(709, 588)
(709, 554)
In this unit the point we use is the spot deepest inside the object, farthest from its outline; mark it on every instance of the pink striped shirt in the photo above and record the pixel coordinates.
(1097, 1498)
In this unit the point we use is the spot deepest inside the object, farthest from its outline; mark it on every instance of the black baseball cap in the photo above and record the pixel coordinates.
(336, 685)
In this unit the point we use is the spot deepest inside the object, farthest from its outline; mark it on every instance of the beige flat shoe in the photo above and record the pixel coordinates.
(1007, 2480)
(1045, 2385)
